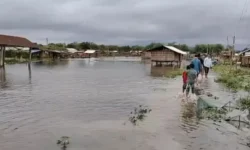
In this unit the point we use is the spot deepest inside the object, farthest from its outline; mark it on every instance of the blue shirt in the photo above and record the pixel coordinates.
(197, 64)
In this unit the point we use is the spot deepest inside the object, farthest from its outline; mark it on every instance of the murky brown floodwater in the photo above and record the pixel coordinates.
(90, 101)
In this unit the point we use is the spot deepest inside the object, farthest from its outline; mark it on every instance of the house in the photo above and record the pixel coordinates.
(91, 53)
(166, 54)
(14, 41)
(71, 50)
(225, 56)
(244, 57)
(79, 54)
(54, 54)
(146, 54)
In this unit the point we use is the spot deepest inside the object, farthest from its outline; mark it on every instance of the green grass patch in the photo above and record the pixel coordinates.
(244, 103)
(235, 79)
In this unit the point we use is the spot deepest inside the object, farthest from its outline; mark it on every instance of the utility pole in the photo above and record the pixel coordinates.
(207, 48)
(47, 41)
(227, 42)
(233, 51)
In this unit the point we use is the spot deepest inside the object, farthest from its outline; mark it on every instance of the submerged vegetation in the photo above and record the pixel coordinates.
(138, 114)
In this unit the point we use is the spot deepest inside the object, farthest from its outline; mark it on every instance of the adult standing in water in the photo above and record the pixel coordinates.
(197, 64)
(207, 64)
(202, 64)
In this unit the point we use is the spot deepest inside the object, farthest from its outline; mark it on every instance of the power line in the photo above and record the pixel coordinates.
(243, 12)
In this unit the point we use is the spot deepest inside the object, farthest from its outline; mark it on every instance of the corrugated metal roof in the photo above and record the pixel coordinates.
(90, 51)
(35, 51)
(71, 50)
(7, 40)
(170, 48)
(175, 50)
(244, 51)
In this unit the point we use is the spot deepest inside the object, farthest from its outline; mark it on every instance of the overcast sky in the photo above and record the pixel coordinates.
(127, 21)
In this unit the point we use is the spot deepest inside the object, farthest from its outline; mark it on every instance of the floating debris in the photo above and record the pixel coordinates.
(209, 94)
(138, 114)
(64, 142)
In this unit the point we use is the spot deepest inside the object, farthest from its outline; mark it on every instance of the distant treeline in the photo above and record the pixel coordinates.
(199, 48)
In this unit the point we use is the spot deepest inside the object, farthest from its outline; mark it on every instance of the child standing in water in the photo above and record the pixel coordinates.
(185, 77)
(191, 78)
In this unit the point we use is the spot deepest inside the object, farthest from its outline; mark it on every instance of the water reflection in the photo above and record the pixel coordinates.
(51, 63)
(146, 61)
(3, 82)
(29, 68)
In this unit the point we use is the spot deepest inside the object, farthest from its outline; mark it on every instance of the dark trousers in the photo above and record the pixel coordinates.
(206, 70)
(190, 86)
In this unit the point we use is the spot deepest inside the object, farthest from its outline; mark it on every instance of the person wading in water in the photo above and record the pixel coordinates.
(202, 64)
(207, 64)
(197, 64)
(191, 77)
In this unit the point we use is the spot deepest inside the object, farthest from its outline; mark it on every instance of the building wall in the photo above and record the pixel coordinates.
(245, 60)
(165, 55)
(147, 54)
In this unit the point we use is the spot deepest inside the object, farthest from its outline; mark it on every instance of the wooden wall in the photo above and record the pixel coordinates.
(165, 55)
(245, 61)
(146, 55)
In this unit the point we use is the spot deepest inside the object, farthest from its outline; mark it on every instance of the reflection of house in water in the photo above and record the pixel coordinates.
(168, 55)
(3, 82)
(54, 54)
(50, 64)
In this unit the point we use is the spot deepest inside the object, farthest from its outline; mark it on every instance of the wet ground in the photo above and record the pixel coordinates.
(90, 101)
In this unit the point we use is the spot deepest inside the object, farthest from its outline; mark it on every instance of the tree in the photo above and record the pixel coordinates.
(152, 45)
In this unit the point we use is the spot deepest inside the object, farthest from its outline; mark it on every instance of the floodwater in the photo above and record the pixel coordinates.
(90, 101)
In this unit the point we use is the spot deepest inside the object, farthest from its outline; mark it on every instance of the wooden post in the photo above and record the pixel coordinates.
(1, 57)
(3, 49)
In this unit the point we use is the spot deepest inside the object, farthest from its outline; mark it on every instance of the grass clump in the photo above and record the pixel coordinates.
(235, 79)
(244, 103)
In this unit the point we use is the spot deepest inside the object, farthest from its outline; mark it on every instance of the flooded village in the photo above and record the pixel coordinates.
(95, 99)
